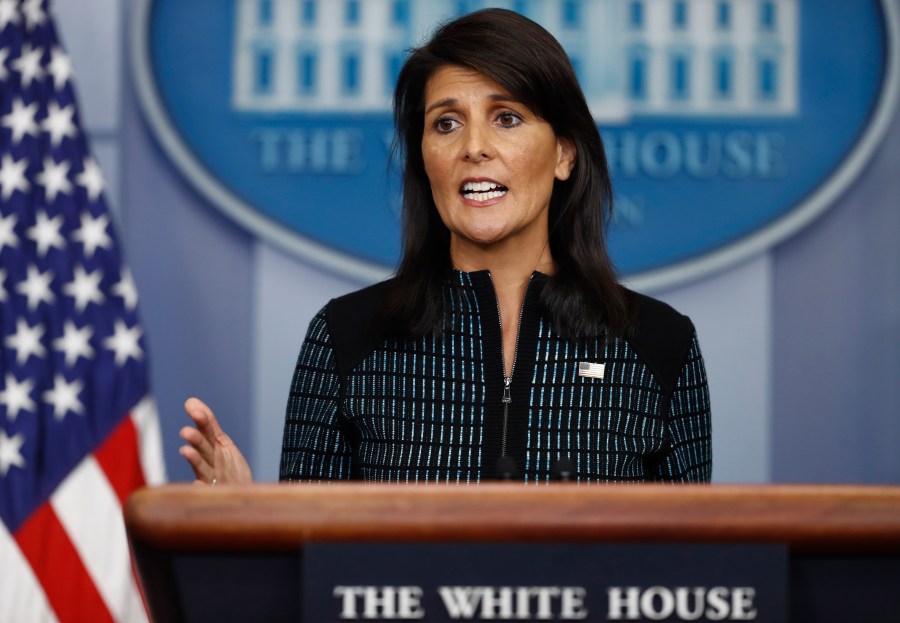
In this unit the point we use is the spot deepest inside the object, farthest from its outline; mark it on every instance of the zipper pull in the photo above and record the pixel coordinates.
(507, 398)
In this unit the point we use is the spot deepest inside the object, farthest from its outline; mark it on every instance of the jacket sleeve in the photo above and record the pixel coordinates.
(688, 428)
(316, 444)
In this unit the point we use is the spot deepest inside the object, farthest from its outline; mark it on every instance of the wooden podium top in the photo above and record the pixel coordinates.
(272, 517)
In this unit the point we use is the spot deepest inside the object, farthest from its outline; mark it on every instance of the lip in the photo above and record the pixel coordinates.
(477, 203)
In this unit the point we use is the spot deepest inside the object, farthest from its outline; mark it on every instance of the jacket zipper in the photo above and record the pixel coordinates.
(507, 380)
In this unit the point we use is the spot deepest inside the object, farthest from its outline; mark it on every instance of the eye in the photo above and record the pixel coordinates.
(445, 125)
(508, 119)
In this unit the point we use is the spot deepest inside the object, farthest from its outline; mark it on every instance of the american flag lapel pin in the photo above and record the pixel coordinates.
(591, 370)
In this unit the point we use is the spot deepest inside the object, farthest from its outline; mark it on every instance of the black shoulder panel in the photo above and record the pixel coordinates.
(351, 322)
(662, 338)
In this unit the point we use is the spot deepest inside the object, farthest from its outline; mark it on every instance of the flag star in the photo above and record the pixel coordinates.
(36, 287)
(64, 396)
(75, 342)
(54, 178)
(17, 397)
(60, 67)
(85, 288)
(12, 176)
(29, 64)
(59, 123)
(8, 237)
(124, 342)
(9, 13)
(11, 452)
(126, 289)
(21, 120)
(34, 13)
(92, 233)
(4, 55)
(91, 179)
(45, 233)
(3, 295)
(26, 341)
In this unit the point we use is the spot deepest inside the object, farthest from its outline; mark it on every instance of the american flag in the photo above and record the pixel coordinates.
(78, 429)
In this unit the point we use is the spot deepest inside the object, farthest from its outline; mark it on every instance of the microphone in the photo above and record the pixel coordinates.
(564, 470)
(506, 469)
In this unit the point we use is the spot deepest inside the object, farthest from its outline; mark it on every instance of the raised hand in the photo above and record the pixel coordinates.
(212, 454)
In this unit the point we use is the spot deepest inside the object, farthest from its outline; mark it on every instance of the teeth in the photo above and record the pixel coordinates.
(480, 187)
(483, 191)
(493, 194)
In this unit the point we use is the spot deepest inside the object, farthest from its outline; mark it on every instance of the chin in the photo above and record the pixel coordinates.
(485, 236)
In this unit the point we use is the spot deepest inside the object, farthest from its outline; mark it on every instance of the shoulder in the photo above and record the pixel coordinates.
(352, 324)
(661, 336)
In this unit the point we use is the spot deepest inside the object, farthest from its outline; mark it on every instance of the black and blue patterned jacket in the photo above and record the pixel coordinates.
(365, 405)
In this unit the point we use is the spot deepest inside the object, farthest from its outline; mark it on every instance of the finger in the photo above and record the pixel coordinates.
(200, 443)
(201, 411)
(202, 470)
(197, 410)
(203, 418)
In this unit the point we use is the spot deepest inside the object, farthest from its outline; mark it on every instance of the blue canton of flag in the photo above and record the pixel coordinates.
(78, 430)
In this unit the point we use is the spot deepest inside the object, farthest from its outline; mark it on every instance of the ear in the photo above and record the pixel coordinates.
(565, 160)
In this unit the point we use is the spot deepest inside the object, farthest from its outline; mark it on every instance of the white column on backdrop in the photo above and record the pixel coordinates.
(90, 31)
(732, 312)
(287, 294)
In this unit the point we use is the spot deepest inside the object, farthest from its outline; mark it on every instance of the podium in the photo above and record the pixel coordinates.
(234, 553)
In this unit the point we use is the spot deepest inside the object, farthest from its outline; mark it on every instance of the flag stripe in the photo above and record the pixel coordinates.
(99, 536)
(146, 421)
(21, 596)
(67, 584)
(118, 458)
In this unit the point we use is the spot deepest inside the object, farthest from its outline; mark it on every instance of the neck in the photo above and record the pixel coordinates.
(511, 267)
(509, 264)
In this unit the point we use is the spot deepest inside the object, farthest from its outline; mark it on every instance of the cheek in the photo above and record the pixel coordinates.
(537, 173)
(437, 170)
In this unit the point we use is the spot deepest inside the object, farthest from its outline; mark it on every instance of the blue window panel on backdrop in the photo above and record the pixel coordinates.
(308, 13)
(723, 75)
(307, 66)
(680, 77)
(264, 10)
(400, 13)
(571, 13)
(351, 75)
(723, 15)
(768, 16)
(636, 14)
(393, 62)
(679, 14)
(577, 66)
(520, 7)
(351, 12)
(465, 6)
(264, 71)
(637, 74)
(767, 69)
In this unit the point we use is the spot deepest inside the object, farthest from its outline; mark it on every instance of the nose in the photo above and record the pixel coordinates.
(477, 145)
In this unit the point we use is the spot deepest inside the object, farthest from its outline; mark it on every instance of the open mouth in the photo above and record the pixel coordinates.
(483, 191)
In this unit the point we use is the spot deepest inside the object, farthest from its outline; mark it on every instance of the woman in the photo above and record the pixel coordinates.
(504, 346)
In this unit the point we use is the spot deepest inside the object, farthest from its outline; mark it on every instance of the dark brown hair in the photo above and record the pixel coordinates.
(583, 297)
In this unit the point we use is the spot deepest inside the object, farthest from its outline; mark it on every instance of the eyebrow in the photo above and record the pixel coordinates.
(452, 101)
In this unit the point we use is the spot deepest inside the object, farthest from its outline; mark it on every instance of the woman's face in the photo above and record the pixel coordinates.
(490, 160)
